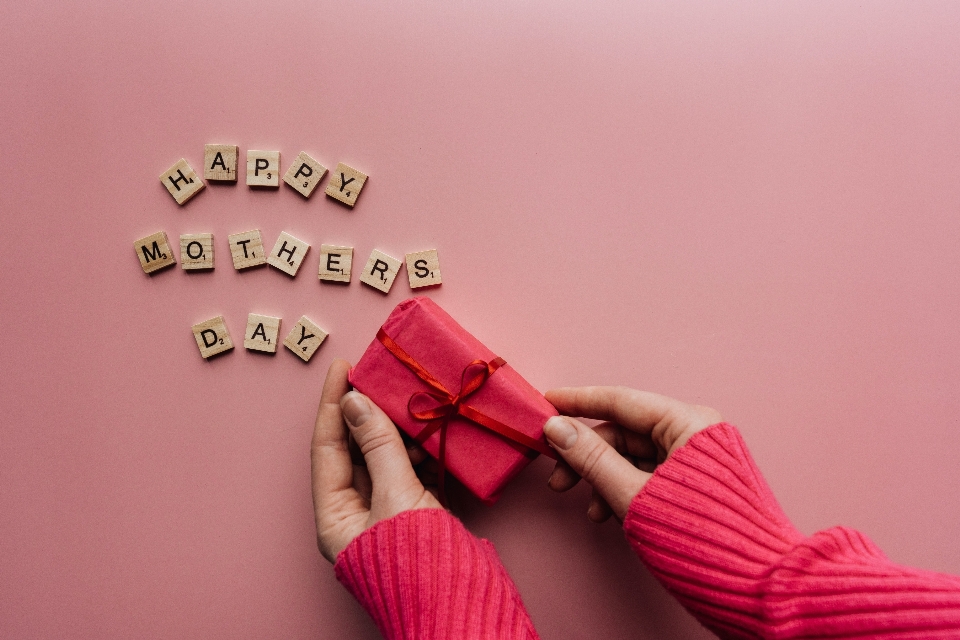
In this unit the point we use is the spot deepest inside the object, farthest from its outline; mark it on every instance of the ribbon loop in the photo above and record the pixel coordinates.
(447, 405)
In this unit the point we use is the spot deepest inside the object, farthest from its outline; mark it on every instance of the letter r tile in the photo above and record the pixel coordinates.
(381, 271)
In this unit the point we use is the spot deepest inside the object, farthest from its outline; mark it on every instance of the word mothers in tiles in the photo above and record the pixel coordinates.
(288, 254)
(221, 163)
(213, 337)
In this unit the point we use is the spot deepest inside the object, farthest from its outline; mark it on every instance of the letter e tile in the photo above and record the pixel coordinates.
(335, 263)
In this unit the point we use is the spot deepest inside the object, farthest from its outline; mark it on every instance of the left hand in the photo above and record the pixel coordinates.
(348, 499)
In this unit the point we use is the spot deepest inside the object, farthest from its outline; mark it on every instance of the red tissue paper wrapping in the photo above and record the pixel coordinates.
(482, 460)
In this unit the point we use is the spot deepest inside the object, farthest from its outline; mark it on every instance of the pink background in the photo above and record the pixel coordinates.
(754, 206)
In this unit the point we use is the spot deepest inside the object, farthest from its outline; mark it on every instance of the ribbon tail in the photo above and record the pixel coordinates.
(442, 466)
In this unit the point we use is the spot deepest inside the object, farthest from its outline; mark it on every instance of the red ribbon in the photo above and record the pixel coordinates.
(449, 405)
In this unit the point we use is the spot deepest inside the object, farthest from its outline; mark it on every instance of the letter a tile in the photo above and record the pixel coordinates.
(182, 182)
(154, 252)
(381, 271)
(305, 339)
(304, 174)
(262, 332)
(212, 337)
(288, 254)
(220, 162)
(345, 184)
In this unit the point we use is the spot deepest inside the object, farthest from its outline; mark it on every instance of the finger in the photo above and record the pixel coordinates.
(563, 478)
(331, 469)
(597, 509)
(597, 462)
(381, 444)
(636, 410)
(625, 441)
(416, 453)
(362, 484)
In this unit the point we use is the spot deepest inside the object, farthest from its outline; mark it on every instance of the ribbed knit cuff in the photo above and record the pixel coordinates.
(421, 574)
(708, 527)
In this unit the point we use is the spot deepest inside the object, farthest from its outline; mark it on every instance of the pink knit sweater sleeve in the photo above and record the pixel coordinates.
(422, 575)
(708, 527)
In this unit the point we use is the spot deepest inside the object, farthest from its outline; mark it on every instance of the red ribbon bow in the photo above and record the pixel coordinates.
(449, 405)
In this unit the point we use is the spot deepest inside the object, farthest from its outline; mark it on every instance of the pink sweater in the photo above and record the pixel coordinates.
(706, 525)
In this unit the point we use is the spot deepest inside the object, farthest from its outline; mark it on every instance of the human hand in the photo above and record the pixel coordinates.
(349, 497)
(617, 457)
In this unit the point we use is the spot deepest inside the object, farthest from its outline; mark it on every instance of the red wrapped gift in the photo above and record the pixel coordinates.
(469, 409)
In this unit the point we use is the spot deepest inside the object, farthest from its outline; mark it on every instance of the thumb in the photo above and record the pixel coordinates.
(597, 462)
(380, 443)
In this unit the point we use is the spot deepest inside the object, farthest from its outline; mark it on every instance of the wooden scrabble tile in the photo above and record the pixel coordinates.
(246, 249)
(381, 271)
(212, 337)
(305, 338)
(345, 184)
(154, 252)
(262, 332)
(423, 268)
(196, 251)
(304, 174)
(181, 181)
(263, 168)
(220, 162)
(288, 253)
(335, 263)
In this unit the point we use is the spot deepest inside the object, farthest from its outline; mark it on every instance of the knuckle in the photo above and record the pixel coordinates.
(593, 461)
(374, 439)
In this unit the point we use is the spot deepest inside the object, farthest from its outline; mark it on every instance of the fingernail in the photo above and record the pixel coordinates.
(560, 432)
(355, 408)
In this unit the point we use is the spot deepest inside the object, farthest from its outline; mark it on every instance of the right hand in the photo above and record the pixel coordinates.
(617, 457)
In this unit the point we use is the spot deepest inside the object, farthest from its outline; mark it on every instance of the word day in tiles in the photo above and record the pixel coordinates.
(247, 248)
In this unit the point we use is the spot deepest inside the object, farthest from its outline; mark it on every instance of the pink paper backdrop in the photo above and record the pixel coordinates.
(754, 206)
